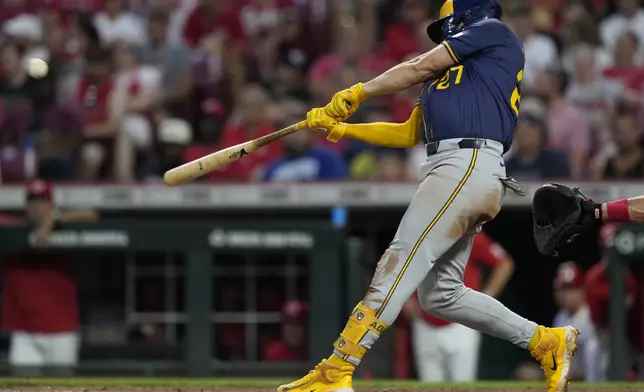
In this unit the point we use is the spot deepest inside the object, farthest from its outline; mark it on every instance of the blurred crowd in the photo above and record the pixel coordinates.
(122, 90)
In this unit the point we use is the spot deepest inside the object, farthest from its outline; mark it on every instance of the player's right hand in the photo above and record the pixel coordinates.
(345, 103)
(319, 120)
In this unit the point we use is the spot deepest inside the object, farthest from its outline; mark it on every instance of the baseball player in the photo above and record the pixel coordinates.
(570, 296)
(466, 114)
(446, 351)
(39, 301)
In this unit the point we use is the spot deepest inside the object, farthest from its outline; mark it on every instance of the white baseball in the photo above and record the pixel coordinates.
(37, 68)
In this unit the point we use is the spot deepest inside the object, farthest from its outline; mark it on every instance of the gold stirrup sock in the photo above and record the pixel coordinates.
(360, 333)
(538, 333)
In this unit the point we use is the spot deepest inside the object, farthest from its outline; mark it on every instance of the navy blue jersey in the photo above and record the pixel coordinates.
(479, 97)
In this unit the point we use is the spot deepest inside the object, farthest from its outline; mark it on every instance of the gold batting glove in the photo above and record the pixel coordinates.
(318, 120)
(345, 103)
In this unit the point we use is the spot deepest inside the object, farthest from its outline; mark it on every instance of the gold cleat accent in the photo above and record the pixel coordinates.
(554, 349)
(323, 378)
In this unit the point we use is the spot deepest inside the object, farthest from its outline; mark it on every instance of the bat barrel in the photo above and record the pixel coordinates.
(204, 165)
(184, 173)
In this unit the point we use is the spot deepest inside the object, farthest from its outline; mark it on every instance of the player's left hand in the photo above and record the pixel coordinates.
(318, 120)
(345, 103)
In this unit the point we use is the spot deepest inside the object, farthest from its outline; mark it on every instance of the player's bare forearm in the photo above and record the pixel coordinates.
(625, 210)
(499, 278)
(429, 65)
(636, 208)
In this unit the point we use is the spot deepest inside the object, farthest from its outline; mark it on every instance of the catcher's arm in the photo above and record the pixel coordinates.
(623, 210)
(561, 213)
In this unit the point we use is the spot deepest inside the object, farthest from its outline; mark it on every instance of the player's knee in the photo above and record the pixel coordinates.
(430, 301)
(438, 300)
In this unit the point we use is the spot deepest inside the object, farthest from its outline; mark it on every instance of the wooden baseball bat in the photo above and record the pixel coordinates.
(206, 164)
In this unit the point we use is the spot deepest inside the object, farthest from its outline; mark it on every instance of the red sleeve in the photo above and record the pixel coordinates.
(234, 28)
(597, 293)
(631, 284)
(134, 88)
(400, 41)
(230, 135)
(487, 252)
(11, 220)
(191, 31)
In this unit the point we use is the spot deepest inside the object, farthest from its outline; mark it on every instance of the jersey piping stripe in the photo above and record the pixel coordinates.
(467, 175)
(450, 51)
(449, 201)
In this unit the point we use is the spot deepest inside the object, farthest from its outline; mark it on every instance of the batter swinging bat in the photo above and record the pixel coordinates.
(206, 164)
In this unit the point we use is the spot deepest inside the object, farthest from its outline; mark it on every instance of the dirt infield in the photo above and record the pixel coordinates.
(585, 388)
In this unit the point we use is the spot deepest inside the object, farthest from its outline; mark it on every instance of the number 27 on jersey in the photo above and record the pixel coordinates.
(515, 99)
(446, 81)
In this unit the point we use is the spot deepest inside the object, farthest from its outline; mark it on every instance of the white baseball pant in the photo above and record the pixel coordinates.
(448, 353)
(43, 349)
(461, 190)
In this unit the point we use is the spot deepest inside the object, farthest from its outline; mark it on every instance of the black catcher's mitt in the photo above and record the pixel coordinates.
(560, 214)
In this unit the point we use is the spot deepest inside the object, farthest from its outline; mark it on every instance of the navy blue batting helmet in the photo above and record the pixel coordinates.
(457, 15)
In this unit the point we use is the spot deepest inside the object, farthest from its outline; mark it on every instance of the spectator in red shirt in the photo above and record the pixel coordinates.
(292, 345)
(106, 152)
(39, 303)
(626, 58)
(449, 352)
(248, 121)
(217, 30)
(402, 38)
(12, 8)
(352, 51)
(212, 17)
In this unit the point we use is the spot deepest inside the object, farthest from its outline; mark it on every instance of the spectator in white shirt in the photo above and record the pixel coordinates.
(588, 89)
(629, 16)
(540, 50)
(116, 24)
